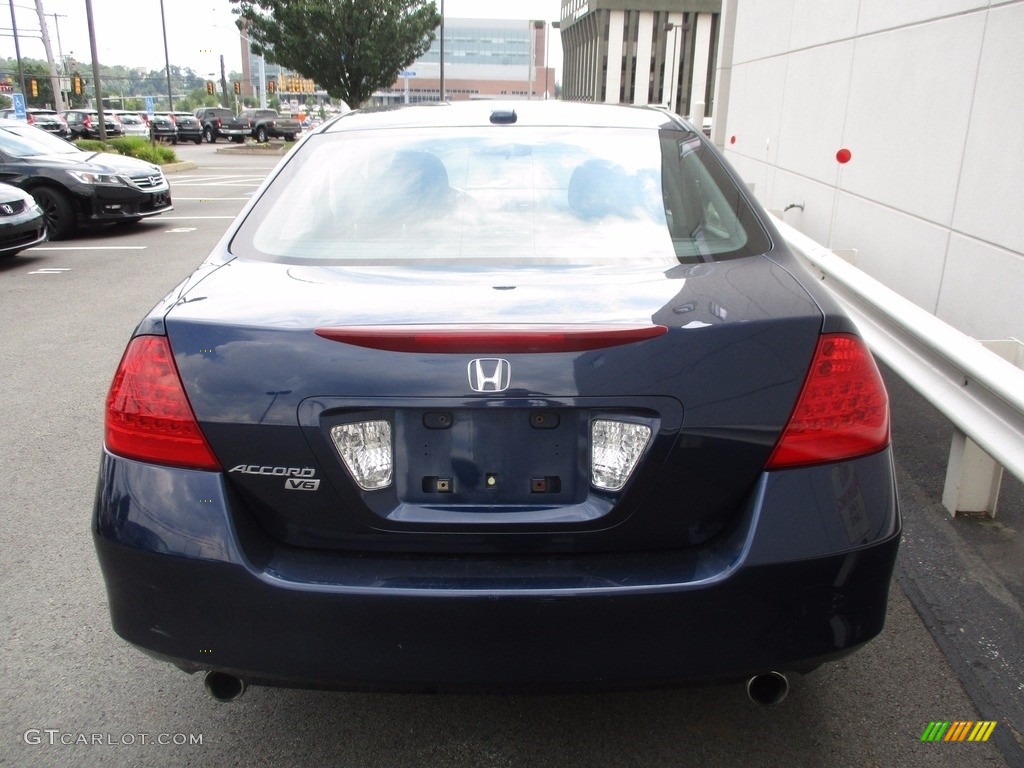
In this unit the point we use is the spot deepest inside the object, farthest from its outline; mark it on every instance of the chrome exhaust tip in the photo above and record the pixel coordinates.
(224, 687)
(768, 689)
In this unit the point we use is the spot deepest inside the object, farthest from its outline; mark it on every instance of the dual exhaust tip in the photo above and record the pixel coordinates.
(766, 689)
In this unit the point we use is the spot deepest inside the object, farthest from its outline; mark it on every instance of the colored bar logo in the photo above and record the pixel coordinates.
(958, 730)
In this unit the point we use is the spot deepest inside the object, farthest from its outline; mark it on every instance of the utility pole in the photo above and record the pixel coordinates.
(223, 82)
(96, 71)
(58, 101)
(63, 72)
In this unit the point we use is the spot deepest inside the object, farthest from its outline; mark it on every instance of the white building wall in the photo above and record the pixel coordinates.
(616, 22)
(928, 96)
(644, 56)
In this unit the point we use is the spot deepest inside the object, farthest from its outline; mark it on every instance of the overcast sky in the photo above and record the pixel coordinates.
(128, 32)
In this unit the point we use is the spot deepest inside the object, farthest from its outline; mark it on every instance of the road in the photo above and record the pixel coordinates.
(76, 695)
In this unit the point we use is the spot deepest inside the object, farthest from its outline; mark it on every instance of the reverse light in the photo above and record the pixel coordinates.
(615, 449)
(842, 411)
(365, 448)
(148, 416)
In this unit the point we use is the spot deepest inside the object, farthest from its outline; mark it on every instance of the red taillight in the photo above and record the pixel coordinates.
(87, 121)
(491, 339)
(29, 117)
(216, 121)
(148, 414)
(842, 411)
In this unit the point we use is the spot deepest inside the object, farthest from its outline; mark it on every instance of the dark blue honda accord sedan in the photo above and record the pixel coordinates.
(498, 397)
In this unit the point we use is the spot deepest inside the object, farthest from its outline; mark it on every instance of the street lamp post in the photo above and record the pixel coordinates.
(167, 60)
(676, 60)
(17, 49)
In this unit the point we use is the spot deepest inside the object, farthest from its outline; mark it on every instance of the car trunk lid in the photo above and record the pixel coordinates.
(500, 385)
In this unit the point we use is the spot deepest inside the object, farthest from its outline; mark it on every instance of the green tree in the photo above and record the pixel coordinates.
(350, 47)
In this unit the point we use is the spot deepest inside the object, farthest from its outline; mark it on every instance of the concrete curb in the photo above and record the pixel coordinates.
(184, 165)
(266, 149)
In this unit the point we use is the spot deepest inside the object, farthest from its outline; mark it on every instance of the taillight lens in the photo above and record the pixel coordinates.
(148, 415)
(843, 408)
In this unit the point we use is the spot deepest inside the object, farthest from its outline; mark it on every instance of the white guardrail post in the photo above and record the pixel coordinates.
(979, 391)
(973, 478)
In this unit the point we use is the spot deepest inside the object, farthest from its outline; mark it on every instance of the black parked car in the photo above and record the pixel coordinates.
(75, 187)
(162, 128)
(46, 119)
(22, 223)
(498, 396)
(84, 124)
(189, 128)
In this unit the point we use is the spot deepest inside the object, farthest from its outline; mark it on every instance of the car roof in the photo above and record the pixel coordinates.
(473, 113)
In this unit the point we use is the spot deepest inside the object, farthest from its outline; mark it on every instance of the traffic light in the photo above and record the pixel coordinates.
(209, 87)
(76, 85)
(33, 87)
(271, 86)
(238, 87)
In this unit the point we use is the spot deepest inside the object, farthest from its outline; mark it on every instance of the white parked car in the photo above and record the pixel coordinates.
(132, 123)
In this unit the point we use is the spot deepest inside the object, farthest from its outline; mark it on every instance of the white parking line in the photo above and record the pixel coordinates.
(217, 181)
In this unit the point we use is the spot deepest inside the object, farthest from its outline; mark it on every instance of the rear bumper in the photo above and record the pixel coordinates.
(190, 585)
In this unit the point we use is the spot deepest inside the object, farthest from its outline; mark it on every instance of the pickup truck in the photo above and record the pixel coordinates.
(218, 122)
(265, 124)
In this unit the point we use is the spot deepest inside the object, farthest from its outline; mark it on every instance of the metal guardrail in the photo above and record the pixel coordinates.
(977, 390)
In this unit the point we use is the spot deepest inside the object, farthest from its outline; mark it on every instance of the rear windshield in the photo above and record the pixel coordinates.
(515, 194)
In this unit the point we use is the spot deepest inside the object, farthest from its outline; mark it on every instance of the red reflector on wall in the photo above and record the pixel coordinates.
(148, 416)
(504, 339)
(843, 408)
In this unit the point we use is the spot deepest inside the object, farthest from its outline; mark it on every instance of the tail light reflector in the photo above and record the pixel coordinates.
(504, 339)
(842, 411)
(148, 415)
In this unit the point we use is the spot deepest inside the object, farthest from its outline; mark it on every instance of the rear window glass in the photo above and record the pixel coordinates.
(525, 195)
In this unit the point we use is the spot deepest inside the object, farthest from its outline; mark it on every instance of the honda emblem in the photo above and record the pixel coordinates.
(489, 374)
